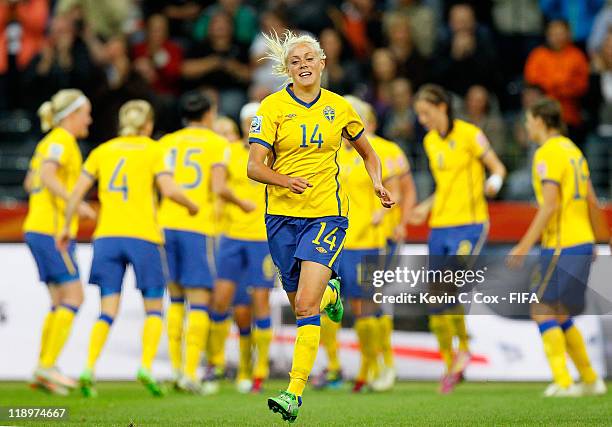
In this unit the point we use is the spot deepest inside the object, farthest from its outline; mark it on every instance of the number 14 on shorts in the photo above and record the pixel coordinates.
(329, 238)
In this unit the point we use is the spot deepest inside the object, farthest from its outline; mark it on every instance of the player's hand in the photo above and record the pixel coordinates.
(298, 185)
(62, 240)
(193, 209)
(384, 196)
(516, 257)
(493, 185)
(86, 211)
(378, 217)
(247, 206)
(399, 233)
(418, 214)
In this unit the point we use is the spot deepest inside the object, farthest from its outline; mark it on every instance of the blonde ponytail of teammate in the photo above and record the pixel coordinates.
(279, 47)
(60, 106)
(133, 116)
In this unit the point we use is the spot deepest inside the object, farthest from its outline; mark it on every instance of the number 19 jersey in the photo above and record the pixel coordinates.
(305, 139)
(126, 168)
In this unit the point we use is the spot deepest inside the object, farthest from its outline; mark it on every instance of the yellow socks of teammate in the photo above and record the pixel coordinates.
(365, 327)
(196, 336)
(262, 338)
(457, 323)
(329, 297)
(175, 318)
(44, 335)
(329, 339)
(151, 333)
(99, 333)
(554, 348)
(385, 326)
(576, 348)
(442, 329)
(220, 325)
(305, 352)
(59, 330)
(245, 361)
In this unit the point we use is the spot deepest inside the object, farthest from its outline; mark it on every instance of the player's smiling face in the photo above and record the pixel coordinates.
(81, 120)
(428, 114)
(305, 65)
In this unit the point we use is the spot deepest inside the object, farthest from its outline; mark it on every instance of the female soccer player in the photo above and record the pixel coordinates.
(197, 159)
(54, 169)
(458, 154)
(302, 127)
(245, 271)
(566, 217)
(127, 169)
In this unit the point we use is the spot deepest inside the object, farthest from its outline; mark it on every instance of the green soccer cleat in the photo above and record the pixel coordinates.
(146, 379)
(86, 383)
(287, 404)
(335, 311)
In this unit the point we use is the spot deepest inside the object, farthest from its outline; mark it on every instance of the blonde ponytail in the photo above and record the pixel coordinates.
(133, 116)
(61, 105)
(279, 47)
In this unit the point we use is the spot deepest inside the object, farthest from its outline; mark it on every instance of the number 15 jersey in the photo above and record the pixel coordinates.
(305, 139)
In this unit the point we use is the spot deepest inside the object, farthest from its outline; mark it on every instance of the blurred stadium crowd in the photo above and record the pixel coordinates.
(496, 56)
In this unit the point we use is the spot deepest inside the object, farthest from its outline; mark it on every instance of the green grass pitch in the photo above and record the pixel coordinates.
(411, 403)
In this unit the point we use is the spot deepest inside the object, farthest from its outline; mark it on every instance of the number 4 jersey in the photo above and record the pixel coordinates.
(192, 153)
(305, 139)
(126, 168)
(559, 161)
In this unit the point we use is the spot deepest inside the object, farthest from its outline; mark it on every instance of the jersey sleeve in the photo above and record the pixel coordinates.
(91, 166)
(479, 144)
(354, 127)
(161, 161)
(548, 167)
(401, 164)
(263, 127)
(57, 152)
(221, 154)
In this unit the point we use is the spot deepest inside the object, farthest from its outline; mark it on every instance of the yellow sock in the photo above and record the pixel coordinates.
(329, 297)
(220, 326)
(58, 334)
(304, 353)
(262, 338)
(372, 346)
(576, 348)
(99, 333)
(245, 362)
(457, 322)
(196, 335)
(151, 333)
(44, 335)
(441, 328)
(385, 323)
(554, 348)
(329, 339)
(362, 329)
(175, 318)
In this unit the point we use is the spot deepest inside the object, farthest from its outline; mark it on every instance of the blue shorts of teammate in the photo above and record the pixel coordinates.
(247, 263)
(445, 243)
(292, 240)
(392, 249)
(54, 267)
(350, 272)
(564, 276)
(190, 258)
(111, 256)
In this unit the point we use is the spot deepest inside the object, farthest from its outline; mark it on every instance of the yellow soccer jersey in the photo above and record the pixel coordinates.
(455, 162)
(305, 139)
(126, 168)
(354, 177)
(558, 160)
(192, 152)
(46, 212)
(396, 164)
(238, 224)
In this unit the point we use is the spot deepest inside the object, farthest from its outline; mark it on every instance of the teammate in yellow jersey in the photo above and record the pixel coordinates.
(128, 169)
(301, 127)
(245, 272)
(458, 153)
(197, 158)
(564, 224)
(53, 171)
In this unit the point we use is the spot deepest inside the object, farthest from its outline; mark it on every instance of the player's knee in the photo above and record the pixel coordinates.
(306, 307)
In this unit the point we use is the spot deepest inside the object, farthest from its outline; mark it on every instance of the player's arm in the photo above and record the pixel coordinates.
(218, 183)
(497, 172)
(28, 181)
(49, 179)
(258, 170)
(168, 188)
(419, 213)
(599, 223)
(374, 168)
(74, 200)
(550, 205)
(407, 204)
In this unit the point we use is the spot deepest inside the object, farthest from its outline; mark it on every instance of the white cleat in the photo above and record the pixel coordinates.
(596, 388)
(210, 387)
(555, 390)
(52, 381)
(187, 385)
(385, 381)
(244, 386)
